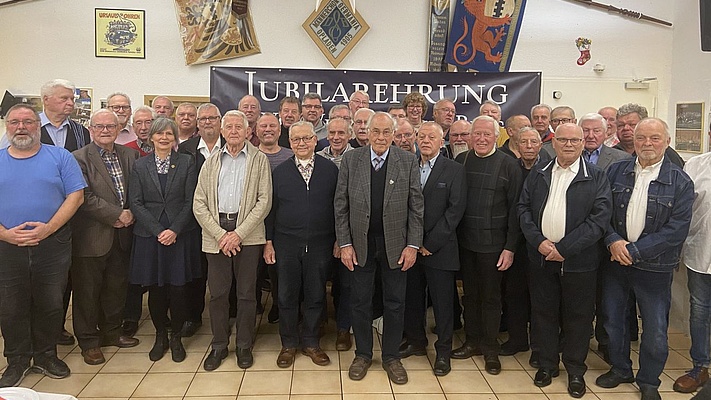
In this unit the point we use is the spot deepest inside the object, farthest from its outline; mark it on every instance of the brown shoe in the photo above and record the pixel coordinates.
(286, 357)
(358, 369)
(396, 372)
(317, 355)
(122, 342)
(692, 380)
(343, 340)
(93, 356)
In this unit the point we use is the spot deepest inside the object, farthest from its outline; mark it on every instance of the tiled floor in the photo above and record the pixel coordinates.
(128, 373)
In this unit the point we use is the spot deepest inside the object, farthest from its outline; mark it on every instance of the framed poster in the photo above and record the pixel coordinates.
(689, 127)
(119, 33)
(82, 105)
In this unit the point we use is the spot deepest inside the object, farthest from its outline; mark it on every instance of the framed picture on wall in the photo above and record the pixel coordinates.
(689, 127)
(120, 33)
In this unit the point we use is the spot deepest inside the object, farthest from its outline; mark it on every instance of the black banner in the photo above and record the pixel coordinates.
(516, 92)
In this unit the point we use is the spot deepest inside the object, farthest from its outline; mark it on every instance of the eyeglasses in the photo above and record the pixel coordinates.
(184, 114)
(120, 108)
(312, 106)
(360, 102)
(447, 110)
(561, 120)
(459, 135)
(109, 127)
(16, 122)
(407, 135)
(415, 107)
(305, 139)
(573, 141)
(213, 118)
(143, 123)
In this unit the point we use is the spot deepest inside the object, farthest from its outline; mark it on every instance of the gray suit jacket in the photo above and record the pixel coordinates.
(403, 204)
(609, 156)
(92, 225)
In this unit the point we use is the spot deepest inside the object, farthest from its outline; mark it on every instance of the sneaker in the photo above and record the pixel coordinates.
(51, 366)
(692, 380)
(14, 374)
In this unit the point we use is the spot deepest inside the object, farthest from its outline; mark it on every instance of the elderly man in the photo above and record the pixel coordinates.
(459, 134)
(302, 242)
(404, 136)
(120, 104)
(594, 128)
(201, 147)
(163, 106)
(610, 115)
(445, 193)
(360, 127)
(564, 209)
(337, 111)
(697, 259)
(628, 116)
(493, 110)
(42, 187)
(379, 209)
(359, 99)
(142, 119)
(289, 112)
(559, 115)
(397, 111)
(513, 126)
(251, 107)
(652, 203)
(339, 131)
(102, 236)
(312, 111)
(57, 128)
(541, 119)
(443, 113)
(232, 219)
(186, 117)
(488, 236)
(268, 133)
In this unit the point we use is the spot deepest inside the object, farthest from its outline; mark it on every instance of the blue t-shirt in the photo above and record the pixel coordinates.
(33, 189)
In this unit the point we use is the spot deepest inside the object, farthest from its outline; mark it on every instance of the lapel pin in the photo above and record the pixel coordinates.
(392, 181)
(172, 166)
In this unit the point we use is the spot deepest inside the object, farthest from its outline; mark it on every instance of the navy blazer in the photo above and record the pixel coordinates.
(445, 196)
(148, 202)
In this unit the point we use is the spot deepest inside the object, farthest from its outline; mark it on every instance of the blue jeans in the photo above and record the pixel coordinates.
(700, 318)
(32, 283)
(653, 292)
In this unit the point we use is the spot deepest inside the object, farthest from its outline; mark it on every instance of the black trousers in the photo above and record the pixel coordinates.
(195, 293)
(518, 300)
(482, 299)
(164, 298)
(564, 301)
(439, 282)
(394, 284)
(99, 296)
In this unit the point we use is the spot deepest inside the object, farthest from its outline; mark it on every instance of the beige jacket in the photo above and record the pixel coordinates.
(253, 207)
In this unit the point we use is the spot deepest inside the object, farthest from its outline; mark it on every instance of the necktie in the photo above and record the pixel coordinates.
(377, 163)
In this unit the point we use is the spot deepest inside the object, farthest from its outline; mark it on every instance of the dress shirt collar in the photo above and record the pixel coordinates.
(44, 121)
(203, 145)
(574, 167)
(654, 168)
(373, 154)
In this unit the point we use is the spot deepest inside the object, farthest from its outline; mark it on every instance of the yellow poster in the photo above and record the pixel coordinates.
(120, 33)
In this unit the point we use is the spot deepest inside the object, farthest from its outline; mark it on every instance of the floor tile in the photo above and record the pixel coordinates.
(679, 341)
(511, 382)
(304, 363)
(310, 397)
(197, 343)
(166, 384)
(192, 363)
(413, 363)
(367, 396)
(73, 384)
(215, 383)
(266, 382)
(265, 397)
(524, 396)
(419, 382)
(112, 385)
(145, 345)
(267, 342)
(129, 363)
(316, 382)
(464, 382)
(507, 363)
(470, 396)
(375, 381)
(266, 361)
(76, 364)
(418, 396)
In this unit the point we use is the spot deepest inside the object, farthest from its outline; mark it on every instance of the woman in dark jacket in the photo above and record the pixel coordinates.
(166, 245)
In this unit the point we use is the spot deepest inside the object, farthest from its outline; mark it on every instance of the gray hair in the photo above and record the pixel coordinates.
(384, 114)
(311, 96)
(542, 105)
(336, 108)
(235, 113)
(494, 124)
(630, 108)
(301, 123)
(186, 105)
(593, 117)
(248, 96)
(370, 112)
(114, 94)
(363, 92)
(651, 120)
(349, 127)
(154, 115)
(23, 106)
(102, 111)
(491, 103)
(48, 88)
(564, 108)
(159, 125)
(433, 124)
(205, 106)
(172, 105)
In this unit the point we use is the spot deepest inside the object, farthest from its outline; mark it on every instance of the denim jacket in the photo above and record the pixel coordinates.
(669, 203)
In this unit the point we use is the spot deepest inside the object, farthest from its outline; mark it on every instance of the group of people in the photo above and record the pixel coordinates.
(563, 221)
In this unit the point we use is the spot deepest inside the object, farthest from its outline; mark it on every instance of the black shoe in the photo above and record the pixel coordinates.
(442, 366)
(576, 386)
(651, 393)
(611, 380)
(129, 328)
(465, 351)
(244, 358)
(535, 359)
(407, 350)
(15, 373)
(214, 359)
(177, 351)
(190, 328)
(65, 338)
(51, 366)
(509, 349)
(273, 316)
(492, 364)
(159, 347)
(544, 377)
